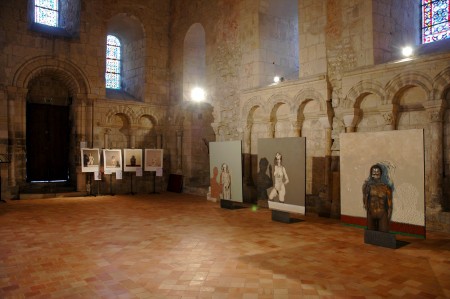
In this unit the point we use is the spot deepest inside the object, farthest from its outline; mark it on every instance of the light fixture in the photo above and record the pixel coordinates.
(407, 51)
(198, 94)
(278, 79)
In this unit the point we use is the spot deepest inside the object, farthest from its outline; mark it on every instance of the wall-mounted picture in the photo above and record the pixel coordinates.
(153, 159)
(225, 160)
(132, 159)
(382, 180)
(112, 160)
(90, 158)
(281, 177)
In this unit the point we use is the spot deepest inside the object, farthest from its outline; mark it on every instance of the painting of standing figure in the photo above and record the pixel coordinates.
(283, 181)
(225, 162)
(90, 158)
(383, 188)
(377, 199)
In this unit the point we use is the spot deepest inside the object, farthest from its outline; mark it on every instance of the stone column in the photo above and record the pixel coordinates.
(179, 134)
(159, 140)
(434, 173)
(17, 134)
(389, 113)
(327, 127)
(106, 138)
(296, 128)
(348, 122)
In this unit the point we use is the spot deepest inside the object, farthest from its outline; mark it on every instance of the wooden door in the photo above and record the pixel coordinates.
(47, 142)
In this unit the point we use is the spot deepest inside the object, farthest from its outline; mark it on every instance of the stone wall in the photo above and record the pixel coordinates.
(349, 79)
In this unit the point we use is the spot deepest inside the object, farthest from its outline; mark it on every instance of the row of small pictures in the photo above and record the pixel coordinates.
(112, 160)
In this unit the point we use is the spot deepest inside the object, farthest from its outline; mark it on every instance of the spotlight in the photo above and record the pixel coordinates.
(278, 79)
(198, 94)
(407, 51)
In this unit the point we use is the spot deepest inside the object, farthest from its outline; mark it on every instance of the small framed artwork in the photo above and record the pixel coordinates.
(112, 160)
(90, 158)
(153, 159)
(132, 159)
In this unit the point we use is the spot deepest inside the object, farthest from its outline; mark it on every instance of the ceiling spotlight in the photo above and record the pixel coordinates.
(198, 94)
(407, 51)
(278, 79)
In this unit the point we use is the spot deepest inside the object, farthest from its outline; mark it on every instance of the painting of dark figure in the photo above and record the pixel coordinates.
(377, 199)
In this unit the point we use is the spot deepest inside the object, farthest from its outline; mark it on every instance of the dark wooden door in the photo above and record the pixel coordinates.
(47, 142)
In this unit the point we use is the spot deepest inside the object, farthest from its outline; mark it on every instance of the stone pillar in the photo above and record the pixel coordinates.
(296, 128)
(106, 138)
(434, 172)
(327, 127)
(348, 122)
(389, 113)
(159, 142)
(17, 135)
(179, 134)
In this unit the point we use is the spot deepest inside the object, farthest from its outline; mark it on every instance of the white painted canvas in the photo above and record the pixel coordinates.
(90, 159)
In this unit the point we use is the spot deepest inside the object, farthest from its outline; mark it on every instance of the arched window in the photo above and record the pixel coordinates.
(46, 12)
(113, 55)
(435, 20)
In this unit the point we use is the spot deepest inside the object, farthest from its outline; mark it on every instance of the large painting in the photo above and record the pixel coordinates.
(225, 168)
(382, 180)
(281, 177)
(112, 160)
(132, 159)
(153, 159)
(90, 158)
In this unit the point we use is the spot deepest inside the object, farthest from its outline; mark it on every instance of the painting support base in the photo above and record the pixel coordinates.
(378, 238)
(284, 217)
(281, 216)
(228, 204)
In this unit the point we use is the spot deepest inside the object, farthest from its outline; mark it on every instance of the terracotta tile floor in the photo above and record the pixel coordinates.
(181, 246)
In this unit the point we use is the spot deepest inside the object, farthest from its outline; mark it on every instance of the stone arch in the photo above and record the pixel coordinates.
(250, 105)
(122, 110)
(307, 95)
(150, 117)
(275, 101)
(441, 84)
(129, 29)
(64, 70)
(402, 81)
(362, 89)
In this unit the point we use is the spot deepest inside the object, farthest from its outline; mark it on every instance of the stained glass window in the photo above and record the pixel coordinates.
(46, 12)
(113, 53)
(435, 20)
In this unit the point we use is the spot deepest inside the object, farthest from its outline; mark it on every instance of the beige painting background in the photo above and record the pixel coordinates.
(403, 151)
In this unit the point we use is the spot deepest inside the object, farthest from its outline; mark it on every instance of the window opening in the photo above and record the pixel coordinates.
(46, 12)
(113, 53)
(435, 20)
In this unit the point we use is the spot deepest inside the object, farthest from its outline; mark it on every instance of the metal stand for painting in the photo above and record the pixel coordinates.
(98, 184)
(110, 185)
(154, 182)
(91, 179)
(131, 184)
(3, 160)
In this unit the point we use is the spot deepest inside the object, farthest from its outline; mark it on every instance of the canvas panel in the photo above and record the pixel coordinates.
(228, 154)
(90, 159)
(293, 151)
(402, 151)
(132, 159)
